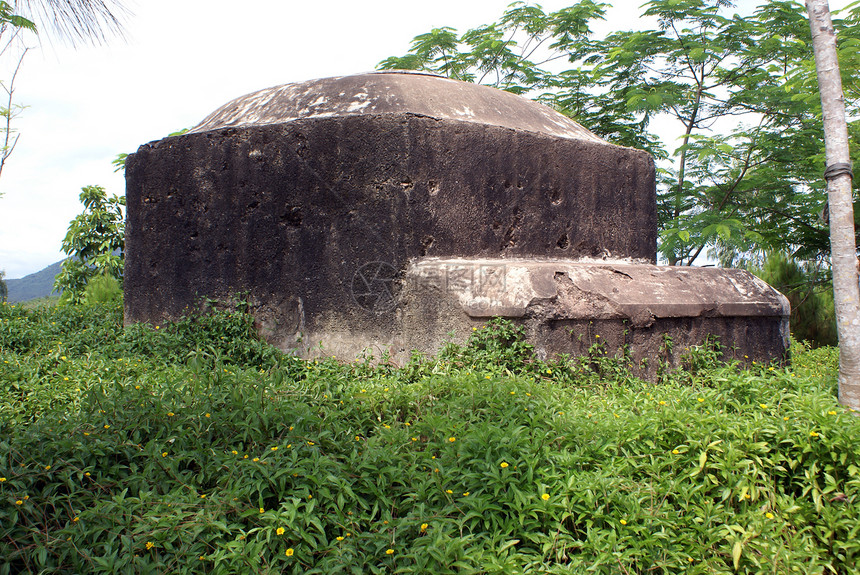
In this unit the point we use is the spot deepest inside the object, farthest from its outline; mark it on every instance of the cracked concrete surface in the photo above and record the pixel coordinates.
(379, 213)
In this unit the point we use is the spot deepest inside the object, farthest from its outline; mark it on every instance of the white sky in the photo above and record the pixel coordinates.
(180, 61)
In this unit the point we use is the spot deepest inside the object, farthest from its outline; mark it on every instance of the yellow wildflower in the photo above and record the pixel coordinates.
(289, 552)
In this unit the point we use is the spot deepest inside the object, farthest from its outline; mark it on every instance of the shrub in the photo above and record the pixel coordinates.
(102, 289)
(189, 458)
(94, 243)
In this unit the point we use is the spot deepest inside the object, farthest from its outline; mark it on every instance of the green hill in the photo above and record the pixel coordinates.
(35, 285)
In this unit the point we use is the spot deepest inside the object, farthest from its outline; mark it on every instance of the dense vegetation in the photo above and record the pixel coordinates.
(723, 94)
(194, 448)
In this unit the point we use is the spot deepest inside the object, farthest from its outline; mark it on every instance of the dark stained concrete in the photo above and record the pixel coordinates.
(318, 200)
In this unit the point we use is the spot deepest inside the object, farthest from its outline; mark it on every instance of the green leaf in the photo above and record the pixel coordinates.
(737, 550)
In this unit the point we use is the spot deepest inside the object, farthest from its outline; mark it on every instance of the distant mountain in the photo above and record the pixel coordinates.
(39, 284)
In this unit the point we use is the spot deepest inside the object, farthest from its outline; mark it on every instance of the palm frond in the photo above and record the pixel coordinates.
(76, 21)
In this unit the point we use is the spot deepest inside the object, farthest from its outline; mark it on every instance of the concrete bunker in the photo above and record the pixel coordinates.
(380, 213)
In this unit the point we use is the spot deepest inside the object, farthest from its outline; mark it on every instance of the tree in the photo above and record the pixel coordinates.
(11, 25)
(4, 289)
(743, 179)
(808, 289)
(838, 175)
(75, 21)
(94, 243)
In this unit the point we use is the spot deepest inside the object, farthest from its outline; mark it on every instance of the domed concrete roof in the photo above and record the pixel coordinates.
(394, 92)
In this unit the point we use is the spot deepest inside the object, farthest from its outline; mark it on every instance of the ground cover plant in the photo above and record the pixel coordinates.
(195, 448)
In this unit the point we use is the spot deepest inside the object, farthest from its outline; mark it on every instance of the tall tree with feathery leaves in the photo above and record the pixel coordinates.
(74, 21)
(838, 175)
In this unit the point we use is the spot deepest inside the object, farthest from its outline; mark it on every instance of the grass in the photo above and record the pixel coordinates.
(195, 448)
(40, 302)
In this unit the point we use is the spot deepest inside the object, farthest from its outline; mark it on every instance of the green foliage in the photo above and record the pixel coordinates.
(813, 316)
(101, 290)
(4, 290)
(176, 450)
(9, 18)
(118, 162)
(47, 301)
(94, 243)
(499, 346)
(738, 92)
(11, 24)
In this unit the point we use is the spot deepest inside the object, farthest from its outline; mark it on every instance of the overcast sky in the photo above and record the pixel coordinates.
(180, 61)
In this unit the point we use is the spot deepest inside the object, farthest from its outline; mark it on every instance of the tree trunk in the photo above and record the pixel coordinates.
(839, 198)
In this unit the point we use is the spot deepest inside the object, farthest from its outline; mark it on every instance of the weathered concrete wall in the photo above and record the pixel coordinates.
(291, 213)
(336, 206)
(656, 313)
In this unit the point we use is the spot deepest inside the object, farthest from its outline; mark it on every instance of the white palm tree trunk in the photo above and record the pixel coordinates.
(839, 197)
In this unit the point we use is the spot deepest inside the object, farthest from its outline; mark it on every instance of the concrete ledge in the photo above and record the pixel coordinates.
(507, 287)
(652, 312)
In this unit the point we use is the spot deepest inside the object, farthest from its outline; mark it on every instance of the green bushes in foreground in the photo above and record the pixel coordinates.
(196, 449)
